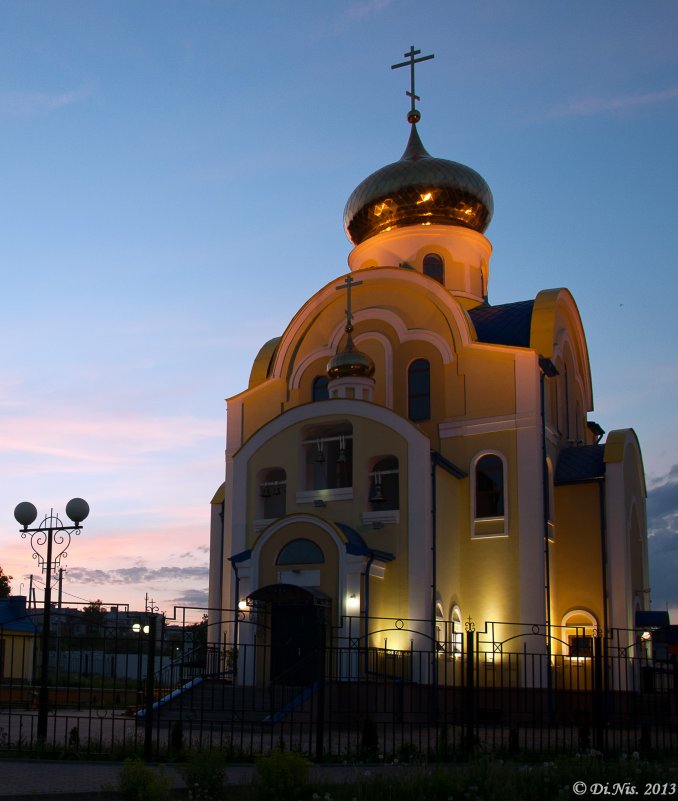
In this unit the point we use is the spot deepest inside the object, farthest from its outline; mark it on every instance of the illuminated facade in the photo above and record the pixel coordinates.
(407, 451)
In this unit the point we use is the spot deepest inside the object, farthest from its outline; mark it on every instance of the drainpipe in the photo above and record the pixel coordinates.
(220, 631)
(434, 588)
(434, 549)
(366, 609)
(236, 617)
(547, 370)
(603, 552)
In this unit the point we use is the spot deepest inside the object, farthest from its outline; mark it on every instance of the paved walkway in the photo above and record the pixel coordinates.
(64, 780)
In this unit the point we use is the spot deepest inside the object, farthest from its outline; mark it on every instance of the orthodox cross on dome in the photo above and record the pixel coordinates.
(413, 116)
(347, 284)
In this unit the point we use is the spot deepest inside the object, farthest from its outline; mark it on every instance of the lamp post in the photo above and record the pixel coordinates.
(150, 629)
(55, 537)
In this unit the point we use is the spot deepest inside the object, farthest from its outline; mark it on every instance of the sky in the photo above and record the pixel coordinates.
(173, 177)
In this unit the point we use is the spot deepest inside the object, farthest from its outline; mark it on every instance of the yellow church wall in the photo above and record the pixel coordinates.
(490, 381)
(575, 556)
(261, 404)
(489, 584)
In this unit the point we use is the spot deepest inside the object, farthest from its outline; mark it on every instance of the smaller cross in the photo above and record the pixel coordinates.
(347, 284)
(411, 62)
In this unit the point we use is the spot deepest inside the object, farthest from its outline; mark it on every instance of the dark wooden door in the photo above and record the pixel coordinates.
(295, 643)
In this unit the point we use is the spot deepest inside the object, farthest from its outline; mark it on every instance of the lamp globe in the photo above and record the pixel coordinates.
(25, 513)
(77, 510)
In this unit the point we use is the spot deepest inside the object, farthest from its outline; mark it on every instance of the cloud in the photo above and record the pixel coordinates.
(191, 554)
(191, 598)
(591, 106)
(99, 442)
(368, 8)
(662, 503)
(662, 523)
(34, 104)
(139, 574)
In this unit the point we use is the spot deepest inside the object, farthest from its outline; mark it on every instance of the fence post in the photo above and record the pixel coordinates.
(320, 694)
(469, 689)
(598, 694)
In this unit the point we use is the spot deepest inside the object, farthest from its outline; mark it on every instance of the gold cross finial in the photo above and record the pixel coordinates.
(347, 284)
(413, 115)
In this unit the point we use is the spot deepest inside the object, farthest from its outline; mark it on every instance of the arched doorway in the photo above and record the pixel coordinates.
(297, 618)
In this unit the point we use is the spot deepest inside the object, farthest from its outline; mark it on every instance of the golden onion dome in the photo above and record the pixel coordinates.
(418, 190)
(350, 362)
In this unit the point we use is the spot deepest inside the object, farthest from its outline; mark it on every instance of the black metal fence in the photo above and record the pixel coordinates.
(366, 689)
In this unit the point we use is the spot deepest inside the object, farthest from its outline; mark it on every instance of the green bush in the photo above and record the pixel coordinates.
(281, 776)
(205, 776)
(139, 782)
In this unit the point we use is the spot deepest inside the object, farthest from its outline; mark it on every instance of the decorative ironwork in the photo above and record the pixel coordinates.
(470, 625)
(51, 527)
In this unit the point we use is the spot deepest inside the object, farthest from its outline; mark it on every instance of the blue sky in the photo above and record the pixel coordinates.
(173, 180)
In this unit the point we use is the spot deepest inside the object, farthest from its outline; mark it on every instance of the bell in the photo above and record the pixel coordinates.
(376, 492)
(341, 458)
(320, 455)
(265, 491)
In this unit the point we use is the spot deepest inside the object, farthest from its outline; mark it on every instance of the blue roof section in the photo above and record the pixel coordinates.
(13, 616)
(652, 619)
(357, 546)
(506, 324)
(580, 463)
(243, 556)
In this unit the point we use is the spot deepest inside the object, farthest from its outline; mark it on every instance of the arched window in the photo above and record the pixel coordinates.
(419, 390)
(320, 388)
(579, 629)
(489, 490)
(300, 552)
(384, 493)
(434, 267)
(272, 493)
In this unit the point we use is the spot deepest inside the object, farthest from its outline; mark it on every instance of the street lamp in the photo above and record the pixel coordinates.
(53, 535)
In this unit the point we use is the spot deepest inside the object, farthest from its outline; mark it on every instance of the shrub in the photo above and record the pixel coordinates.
(281, 776)
(139, 782)
(205, 776)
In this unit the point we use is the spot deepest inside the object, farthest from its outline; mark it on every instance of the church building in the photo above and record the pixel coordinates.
(409, 458)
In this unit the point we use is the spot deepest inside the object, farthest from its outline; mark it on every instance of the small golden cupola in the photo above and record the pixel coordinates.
(350, 371)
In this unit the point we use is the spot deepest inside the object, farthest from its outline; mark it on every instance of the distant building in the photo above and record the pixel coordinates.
(406, 451)
(17, 640)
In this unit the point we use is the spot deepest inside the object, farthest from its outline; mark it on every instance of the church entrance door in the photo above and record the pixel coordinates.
(298, 618)
(296, 643)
